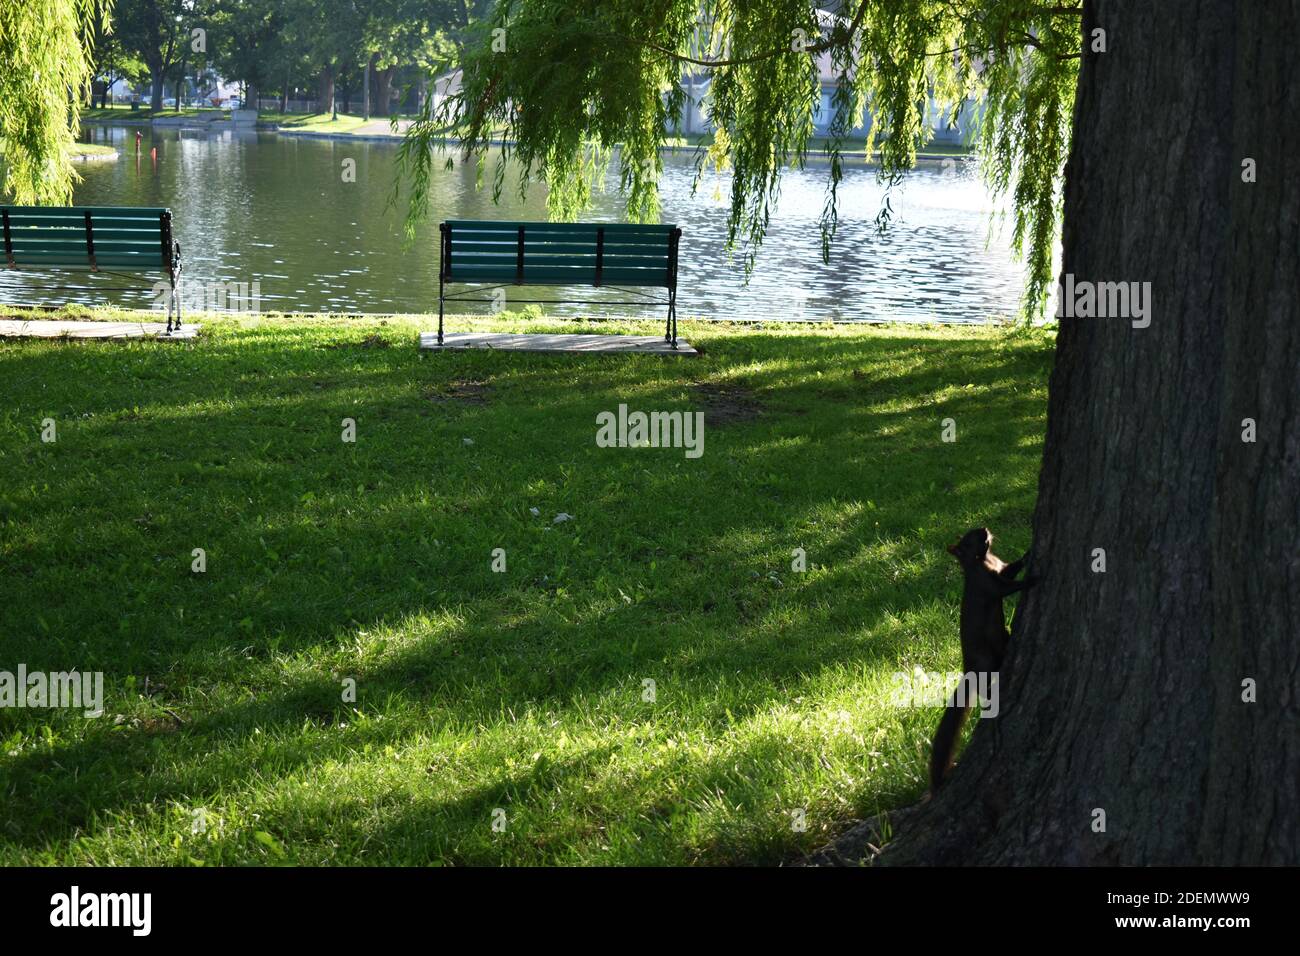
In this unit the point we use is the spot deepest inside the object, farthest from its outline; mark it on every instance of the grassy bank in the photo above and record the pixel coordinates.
(476, 692)
(91, 152)
(122, 112)
(82, 151)
(319, 122)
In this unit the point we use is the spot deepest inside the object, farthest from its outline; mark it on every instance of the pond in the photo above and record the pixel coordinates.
(257, 206)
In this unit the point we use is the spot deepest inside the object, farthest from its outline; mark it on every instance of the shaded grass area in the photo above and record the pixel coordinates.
(519, 697)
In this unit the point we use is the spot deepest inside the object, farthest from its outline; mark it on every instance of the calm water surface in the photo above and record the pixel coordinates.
(257, 206)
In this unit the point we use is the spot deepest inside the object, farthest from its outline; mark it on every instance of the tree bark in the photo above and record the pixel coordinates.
(155, 90)
(1123, 690)
(325, 100)
(383, 90)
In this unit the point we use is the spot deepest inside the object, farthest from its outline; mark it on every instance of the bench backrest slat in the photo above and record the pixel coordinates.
(138, 237)
(558, 253)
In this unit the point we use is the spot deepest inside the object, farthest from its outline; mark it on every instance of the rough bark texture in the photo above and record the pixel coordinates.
(325, 95)
(1123, 690)
(383, 90)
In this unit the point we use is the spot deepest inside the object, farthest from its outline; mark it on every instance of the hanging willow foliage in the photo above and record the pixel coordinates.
(564, 82)
(45, 66)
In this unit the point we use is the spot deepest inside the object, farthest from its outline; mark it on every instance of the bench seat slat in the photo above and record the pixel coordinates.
(485, 225)
(73, 222)
(487, 259)
(559, 275)
(532, 247)
(64, 245)
(145, 262)
(79, 212)
(79, 235)
(568, 238)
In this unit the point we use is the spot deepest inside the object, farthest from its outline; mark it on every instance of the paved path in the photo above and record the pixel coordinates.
(60, 328)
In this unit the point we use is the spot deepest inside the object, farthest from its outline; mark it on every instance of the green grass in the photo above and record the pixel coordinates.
(478, 690)
(90, 151)
(120, 112)
(322, 123)
(82, 151)
(316, 122)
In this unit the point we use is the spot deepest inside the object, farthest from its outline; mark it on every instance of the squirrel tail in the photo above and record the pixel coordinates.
(945, 740)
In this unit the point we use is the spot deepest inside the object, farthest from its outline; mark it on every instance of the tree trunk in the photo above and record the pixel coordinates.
(383, 90)
(365, 86)
(155, 90)
(1123, 690)
(325, 99)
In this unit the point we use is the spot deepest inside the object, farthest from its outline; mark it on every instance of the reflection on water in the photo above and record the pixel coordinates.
(256, 206)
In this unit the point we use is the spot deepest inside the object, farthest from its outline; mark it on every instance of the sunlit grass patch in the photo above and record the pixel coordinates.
(648, 681)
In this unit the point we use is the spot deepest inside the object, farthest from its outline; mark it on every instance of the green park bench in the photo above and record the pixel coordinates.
(115, 240)
(625, 257)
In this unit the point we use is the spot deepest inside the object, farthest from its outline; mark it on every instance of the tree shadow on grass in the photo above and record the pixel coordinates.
(312, 543)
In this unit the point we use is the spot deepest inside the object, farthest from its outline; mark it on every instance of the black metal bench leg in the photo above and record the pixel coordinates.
(176, 289)
(670, 333)
(440, 306)
(174, 292)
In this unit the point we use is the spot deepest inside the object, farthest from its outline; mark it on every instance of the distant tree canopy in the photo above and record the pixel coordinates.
(568, 80)
(45, 67)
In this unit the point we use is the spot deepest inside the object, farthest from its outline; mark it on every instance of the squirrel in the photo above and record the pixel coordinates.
(984, 634)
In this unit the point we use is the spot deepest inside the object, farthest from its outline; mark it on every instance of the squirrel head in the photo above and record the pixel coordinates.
(972, 547)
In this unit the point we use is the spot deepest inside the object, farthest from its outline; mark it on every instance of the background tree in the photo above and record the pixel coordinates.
(110, 60)
(156, 31)
(1161, 693)
(333, 32)
(46, 48)
(248, 43)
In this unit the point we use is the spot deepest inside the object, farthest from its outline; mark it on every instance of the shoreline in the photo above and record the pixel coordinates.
(271, 126)
(500, 321)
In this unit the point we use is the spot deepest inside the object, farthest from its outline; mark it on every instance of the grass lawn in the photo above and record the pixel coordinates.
(79, 151)
(120, 112)
(476, 691)
(90, 151)
(321, 122)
